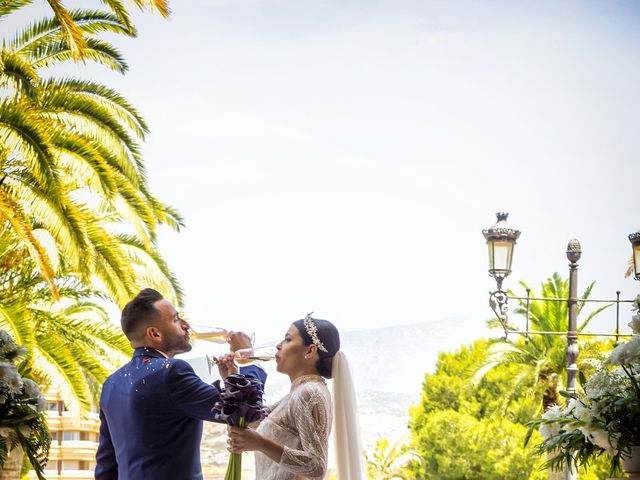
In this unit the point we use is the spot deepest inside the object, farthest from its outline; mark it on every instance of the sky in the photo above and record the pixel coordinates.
(343, 157)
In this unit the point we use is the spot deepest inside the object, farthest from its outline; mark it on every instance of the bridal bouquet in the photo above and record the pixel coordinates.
(605, 419)
(21, 405)
(240, 404)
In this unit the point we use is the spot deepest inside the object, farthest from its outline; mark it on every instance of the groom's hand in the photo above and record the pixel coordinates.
(226, 365)
(238, 340)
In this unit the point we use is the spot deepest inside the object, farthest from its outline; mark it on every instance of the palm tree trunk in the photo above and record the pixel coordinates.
(556, 475)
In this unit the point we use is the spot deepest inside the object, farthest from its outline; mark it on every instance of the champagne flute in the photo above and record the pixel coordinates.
(251, 356)
(213, 334)
(210, 334)
(248, 356)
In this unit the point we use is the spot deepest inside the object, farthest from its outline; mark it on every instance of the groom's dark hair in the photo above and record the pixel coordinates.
(139, 311)
(329, 336)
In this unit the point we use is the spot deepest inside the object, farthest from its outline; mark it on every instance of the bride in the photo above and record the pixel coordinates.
(291, 443)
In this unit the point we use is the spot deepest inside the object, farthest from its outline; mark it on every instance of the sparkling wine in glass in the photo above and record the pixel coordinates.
(247, 356)
(251, 356)
(211, 334)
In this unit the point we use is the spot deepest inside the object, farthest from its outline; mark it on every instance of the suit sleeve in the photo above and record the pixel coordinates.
(256, 372)
(194, 398)
(106, 465)
(190, 395)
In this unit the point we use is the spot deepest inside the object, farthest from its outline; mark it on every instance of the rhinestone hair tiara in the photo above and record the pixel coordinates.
(312, 330)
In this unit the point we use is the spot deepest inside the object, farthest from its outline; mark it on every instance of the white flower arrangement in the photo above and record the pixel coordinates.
(605, 419)
(21, 405)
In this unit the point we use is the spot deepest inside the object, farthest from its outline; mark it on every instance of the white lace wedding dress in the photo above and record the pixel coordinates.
(301, 421)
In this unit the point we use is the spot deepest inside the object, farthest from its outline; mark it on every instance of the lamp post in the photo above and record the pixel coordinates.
(501, 239)
(574, 252)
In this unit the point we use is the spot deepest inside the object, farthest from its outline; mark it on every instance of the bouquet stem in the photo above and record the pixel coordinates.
(234, 468)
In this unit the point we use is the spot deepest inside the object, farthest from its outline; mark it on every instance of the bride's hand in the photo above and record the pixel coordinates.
(243, 440)
(226, 365)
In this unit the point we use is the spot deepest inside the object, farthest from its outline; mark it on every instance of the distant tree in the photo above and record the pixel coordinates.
(452, 386)
(466, 427)
(463, 429)
(458, 446)
(389, 461)
(541, 360)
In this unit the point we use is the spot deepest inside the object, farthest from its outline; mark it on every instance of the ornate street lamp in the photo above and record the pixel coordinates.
(634, 238)
(501, 239)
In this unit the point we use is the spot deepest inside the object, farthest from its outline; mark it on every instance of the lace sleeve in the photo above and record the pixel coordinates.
(312, 414)
(272, 407)
(268, 409)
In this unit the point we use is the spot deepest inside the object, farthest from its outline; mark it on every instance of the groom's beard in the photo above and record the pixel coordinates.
(176, 345)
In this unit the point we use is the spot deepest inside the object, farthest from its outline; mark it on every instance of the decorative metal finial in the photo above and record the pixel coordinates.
(574, 251)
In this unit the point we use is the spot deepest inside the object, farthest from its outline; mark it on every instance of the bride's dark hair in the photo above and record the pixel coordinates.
(328, 335)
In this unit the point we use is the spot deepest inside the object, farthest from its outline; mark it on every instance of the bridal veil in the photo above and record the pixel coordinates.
(345, 421)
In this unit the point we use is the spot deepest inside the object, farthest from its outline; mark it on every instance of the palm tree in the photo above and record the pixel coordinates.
(71, 164)
(389, 461)
(541, 358)
(78, 222)
(72, 345)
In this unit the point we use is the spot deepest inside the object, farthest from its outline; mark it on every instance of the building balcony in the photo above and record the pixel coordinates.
(66, 475)
(73, 450)
(68, 421)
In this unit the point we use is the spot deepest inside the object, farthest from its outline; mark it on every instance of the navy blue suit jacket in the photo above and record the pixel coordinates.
(151, 413)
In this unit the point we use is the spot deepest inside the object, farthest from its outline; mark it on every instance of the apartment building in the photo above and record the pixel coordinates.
(74, 442)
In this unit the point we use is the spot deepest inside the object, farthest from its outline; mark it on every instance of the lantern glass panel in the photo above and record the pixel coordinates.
(500, 256)
(636, 259)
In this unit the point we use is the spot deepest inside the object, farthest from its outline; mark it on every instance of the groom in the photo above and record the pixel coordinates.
(151, 410)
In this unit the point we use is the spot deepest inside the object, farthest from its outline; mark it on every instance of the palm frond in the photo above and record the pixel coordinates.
(598, 310)
(91, 22)
(24, 131)
(11, 212)
(82, 159)
(55, 364)
(108, 98)
(72, 33)
(121, 12)
(16, 72)
(162, 6)
(166, 214)
(64, 220)
(55, 99)
(629, 271)
(8, 7)
(98, 51)
(152, 269)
